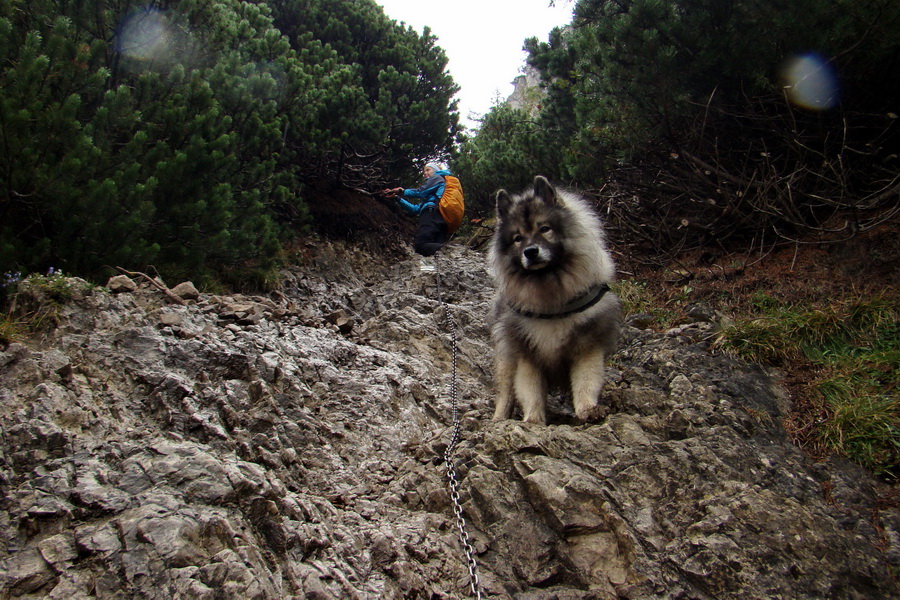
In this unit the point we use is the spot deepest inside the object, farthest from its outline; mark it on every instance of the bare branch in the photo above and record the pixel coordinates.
(154, 282)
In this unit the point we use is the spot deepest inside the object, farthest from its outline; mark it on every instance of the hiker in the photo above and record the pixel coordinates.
(432, 232)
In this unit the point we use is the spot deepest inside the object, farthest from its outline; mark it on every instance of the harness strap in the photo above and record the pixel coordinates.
(579, 304)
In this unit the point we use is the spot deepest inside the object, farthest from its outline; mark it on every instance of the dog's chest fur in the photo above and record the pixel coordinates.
(549, 339)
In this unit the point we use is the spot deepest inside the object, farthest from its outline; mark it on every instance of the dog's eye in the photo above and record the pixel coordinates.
(546, 229)
(518, 238)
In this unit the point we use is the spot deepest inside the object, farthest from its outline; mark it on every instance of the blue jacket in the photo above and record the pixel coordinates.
(430, 193)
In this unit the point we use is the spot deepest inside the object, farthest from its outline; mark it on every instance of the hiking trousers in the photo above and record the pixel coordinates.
(432, 232)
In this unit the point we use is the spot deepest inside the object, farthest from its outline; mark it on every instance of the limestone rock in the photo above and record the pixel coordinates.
(253, 447)
(341, 320)
(186, 291)
(121, 283)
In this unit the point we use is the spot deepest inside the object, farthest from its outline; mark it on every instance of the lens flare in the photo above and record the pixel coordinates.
(810, 82)
(146, 35)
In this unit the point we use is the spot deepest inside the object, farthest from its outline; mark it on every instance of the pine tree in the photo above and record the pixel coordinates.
(385, 94)
(507, 152)
(162, 149)
(693, 92)
(182, 134)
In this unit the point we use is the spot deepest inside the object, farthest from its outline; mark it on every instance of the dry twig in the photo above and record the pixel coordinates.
(155, 283)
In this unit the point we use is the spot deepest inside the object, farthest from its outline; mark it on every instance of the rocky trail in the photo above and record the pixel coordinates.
(291, 446)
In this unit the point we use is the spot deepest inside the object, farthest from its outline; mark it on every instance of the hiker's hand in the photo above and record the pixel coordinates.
(397, 191)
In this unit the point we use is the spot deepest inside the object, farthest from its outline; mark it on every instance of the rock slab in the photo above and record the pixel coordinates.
(250, 447)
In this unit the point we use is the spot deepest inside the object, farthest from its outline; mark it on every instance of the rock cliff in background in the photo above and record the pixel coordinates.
(527, 93)
(291, 446)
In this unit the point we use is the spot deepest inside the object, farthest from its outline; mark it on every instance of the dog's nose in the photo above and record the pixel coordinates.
(531, 252)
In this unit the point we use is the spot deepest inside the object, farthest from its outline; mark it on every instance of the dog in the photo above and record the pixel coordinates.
(554, 318)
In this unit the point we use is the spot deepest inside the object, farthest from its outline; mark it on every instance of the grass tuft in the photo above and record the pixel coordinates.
(856, 345)
(638, 299)
(11, 329)
(32, 304)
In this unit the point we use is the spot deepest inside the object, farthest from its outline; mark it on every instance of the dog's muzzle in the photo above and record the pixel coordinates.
(533, 257)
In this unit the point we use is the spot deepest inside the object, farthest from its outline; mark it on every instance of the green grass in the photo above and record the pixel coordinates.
(11, 329)
(637, 298)
(856, 345)
(32, 304)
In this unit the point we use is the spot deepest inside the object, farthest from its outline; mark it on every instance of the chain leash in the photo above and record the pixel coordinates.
(454, 440)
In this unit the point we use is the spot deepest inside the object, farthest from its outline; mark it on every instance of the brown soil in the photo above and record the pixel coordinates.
(373, 222)
(808, 273)
(866, 264)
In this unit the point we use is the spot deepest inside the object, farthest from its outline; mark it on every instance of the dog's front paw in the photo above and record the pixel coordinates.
(535, 419)
(502, 413)
(593, 414)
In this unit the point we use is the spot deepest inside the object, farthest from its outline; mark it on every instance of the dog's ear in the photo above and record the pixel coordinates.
(545, 191)
(503, 203)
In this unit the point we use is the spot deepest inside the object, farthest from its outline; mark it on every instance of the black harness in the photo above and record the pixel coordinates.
(579, 304)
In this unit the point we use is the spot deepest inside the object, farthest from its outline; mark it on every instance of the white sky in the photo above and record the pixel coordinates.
(483, 40)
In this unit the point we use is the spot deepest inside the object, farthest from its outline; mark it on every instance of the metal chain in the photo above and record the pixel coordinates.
(454, 440)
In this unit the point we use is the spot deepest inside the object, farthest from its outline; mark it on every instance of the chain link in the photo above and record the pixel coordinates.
(454, 440)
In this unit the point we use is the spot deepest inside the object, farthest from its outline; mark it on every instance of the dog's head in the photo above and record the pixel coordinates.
(530, 226)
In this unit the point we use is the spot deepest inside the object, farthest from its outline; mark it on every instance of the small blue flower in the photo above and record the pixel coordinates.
(11, 279)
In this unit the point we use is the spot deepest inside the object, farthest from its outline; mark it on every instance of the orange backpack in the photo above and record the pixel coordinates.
(452, 204)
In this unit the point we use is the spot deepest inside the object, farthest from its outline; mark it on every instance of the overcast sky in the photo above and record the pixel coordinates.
(483, 41)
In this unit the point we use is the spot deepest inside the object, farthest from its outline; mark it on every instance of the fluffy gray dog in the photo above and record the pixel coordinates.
(554, 319)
